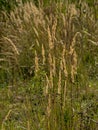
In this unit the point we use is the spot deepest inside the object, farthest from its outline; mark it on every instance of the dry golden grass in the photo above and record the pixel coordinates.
(47, 43)
(36, 63)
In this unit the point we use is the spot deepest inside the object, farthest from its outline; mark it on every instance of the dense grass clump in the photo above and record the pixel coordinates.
(48, 67)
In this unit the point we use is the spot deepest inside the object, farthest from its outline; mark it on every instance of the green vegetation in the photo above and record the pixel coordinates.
(48, 65)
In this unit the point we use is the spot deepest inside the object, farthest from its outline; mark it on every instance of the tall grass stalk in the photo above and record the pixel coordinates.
(46, 52)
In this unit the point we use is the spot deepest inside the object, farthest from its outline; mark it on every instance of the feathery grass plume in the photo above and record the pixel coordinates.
(28, 7)
(36, 32)
(72, 10)
(54, 26)
(51, 78)
(72, 45)
(36, 62)
(43, 54)
(12, 44)
(64, 60)
(51, 69)
(47, 85)
(16, 19)
(25, 13)
(12, 16)
(50, 40)
(37, 42)
(65, 69)
(54, 65)
(32, 11)
(65, 73)
(60, 78)
(50, 61)
(73, 54)
(64, 20)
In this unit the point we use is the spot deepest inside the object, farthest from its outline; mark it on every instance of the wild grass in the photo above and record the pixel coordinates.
(46, 55)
